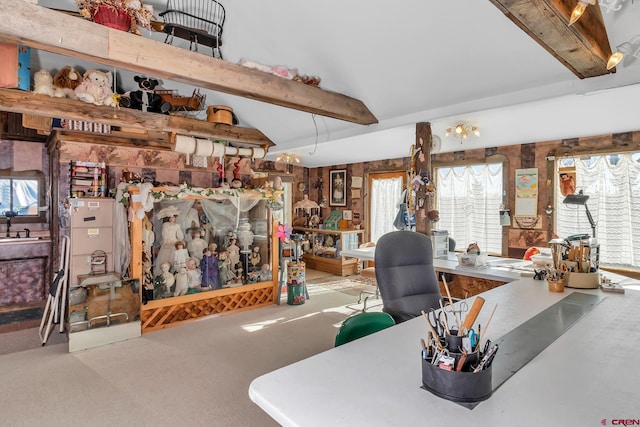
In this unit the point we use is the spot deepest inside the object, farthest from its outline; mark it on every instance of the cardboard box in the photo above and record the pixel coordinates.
(582, 280)
(15, 66)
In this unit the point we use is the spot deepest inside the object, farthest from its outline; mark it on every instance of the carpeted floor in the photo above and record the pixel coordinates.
(197, 374)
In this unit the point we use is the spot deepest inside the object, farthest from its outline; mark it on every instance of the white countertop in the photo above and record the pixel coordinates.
(585, 376)
(496, 268)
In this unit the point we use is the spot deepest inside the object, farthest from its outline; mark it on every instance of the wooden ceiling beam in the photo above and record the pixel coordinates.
(18, 101)
(57, 32)
(583, 47)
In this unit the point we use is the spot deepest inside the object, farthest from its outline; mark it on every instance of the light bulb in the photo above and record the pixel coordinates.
(614, 59)
(577, 12)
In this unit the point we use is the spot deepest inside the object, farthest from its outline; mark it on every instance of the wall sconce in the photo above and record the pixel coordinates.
(631, 47)
(462, 131)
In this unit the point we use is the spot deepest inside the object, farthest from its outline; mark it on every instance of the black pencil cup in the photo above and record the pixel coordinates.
(464, 387)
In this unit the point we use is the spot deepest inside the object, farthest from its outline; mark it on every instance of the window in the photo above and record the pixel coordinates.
(612, 183)
(23, 195)
(468, 199)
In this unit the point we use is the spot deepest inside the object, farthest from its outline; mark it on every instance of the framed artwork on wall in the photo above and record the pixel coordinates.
(347, 214)
(337, 194)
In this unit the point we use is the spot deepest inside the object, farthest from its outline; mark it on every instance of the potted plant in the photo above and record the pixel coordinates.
(125, 15)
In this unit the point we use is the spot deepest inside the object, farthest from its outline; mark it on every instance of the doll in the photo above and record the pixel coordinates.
(182, 282)
(170, 234)
(169, 278)
(254, 259)
(180, 256)
(193, 271)
(233, 251)
(209, 269)
(225, 269)
(197, 244)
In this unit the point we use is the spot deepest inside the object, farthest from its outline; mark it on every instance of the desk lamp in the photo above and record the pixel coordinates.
(581, 199)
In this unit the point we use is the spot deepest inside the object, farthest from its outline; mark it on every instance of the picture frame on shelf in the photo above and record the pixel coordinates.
(347, 214)
(337, 185)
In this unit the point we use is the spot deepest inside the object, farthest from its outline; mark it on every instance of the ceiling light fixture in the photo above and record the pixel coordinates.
(462, 131)
(631, 47)
(288, 159)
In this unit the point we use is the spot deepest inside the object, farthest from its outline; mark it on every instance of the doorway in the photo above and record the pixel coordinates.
(385, 191)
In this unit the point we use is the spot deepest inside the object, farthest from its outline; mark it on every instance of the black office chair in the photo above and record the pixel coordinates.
(405, 274)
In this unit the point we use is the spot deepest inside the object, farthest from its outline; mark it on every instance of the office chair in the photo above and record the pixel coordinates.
(405, 274)
(362, 324)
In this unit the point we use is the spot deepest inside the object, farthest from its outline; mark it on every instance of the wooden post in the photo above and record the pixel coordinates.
(421, 163)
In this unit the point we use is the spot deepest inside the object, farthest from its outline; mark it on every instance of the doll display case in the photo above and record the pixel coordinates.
(324, 246)
(233, 219)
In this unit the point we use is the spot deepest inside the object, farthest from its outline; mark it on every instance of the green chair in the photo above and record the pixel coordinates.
(361, 325)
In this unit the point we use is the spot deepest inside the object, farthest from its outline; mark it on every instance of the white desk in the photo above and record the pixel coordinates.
(498, 269)
(586, 375)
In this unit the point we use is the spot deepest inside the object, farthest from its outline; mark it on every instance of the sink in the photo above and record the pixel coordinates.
(18, 239)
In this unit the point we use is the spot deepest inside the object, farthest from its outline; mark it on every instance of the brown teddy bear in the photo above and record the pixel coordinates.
(65, 82)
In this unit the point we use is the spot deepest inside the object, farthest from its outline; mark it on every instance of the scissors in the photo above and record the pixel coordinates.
(438, 321)
(462, 307)
(473, 338)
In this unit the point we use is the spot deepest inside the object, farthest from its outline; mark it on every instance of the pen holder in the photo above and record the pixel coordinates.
(464, 387)
(556, 285)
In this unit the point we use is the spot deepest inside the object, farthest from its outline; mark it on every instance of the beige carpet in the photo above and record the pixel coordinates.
(197, 374)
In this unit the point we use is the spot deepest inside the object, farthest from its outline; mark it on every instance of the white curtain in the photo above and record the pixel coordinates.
(468, 201)
(385, 195)
(612, 183)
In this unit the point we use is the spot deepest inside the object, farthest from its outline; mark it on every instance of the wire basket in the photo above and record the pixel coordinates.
(112, 17)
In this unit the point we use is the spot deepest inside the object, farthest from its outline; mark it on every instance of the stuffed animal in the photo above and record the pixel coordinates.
(65, 82)
(144, 98)
(43, 83)
(95, 88)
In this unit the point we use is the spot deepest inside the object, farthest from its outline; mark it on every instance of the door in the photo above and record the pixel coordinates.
(385, 191)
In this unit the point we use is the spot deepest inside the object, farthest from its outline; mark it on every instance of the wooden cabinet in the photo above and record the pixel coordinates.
(252, 291)
(22, 281)
(322, 249)
(24, 267)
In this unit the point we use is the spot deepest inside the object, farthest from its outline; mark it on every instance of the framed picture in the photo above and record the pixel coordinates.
(347, 214)
(337, 182)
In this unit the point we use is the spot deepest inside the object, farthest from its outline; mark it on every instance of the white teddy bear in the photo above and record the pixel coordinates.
(43, 83)
(96, 88)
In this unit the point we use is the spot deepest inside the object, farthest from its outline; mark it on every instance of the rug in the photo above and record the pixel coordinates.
(20, 315)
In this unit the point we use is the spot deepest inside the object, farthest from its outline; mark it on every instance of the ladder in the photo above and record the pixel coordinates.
(54, 310)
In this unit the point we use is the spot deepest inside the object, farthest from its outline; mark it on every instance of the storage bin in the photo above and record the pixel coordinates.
(15, 66)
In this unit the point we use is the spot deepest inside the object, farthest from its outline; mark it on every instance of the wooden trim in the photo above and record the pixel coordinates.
(56, 32)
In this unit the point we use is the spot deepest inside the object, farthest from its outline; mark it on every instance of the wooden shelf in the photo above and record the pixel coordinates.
(46, 29)
(18, 101)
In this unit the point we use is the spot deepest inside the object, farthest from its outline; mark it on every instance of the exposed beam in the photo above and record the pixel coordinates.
(57, 32)
(583, 47)
(18, 101)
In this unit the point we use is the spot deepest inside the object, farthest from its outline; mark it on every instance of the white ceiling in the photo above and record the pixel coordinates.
(412, 61)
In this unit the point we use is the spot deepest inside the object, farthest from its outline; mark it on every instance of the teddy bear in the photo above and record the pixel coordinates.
(95, 88)
(144, 98)
(65, 82)
(43, 83)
